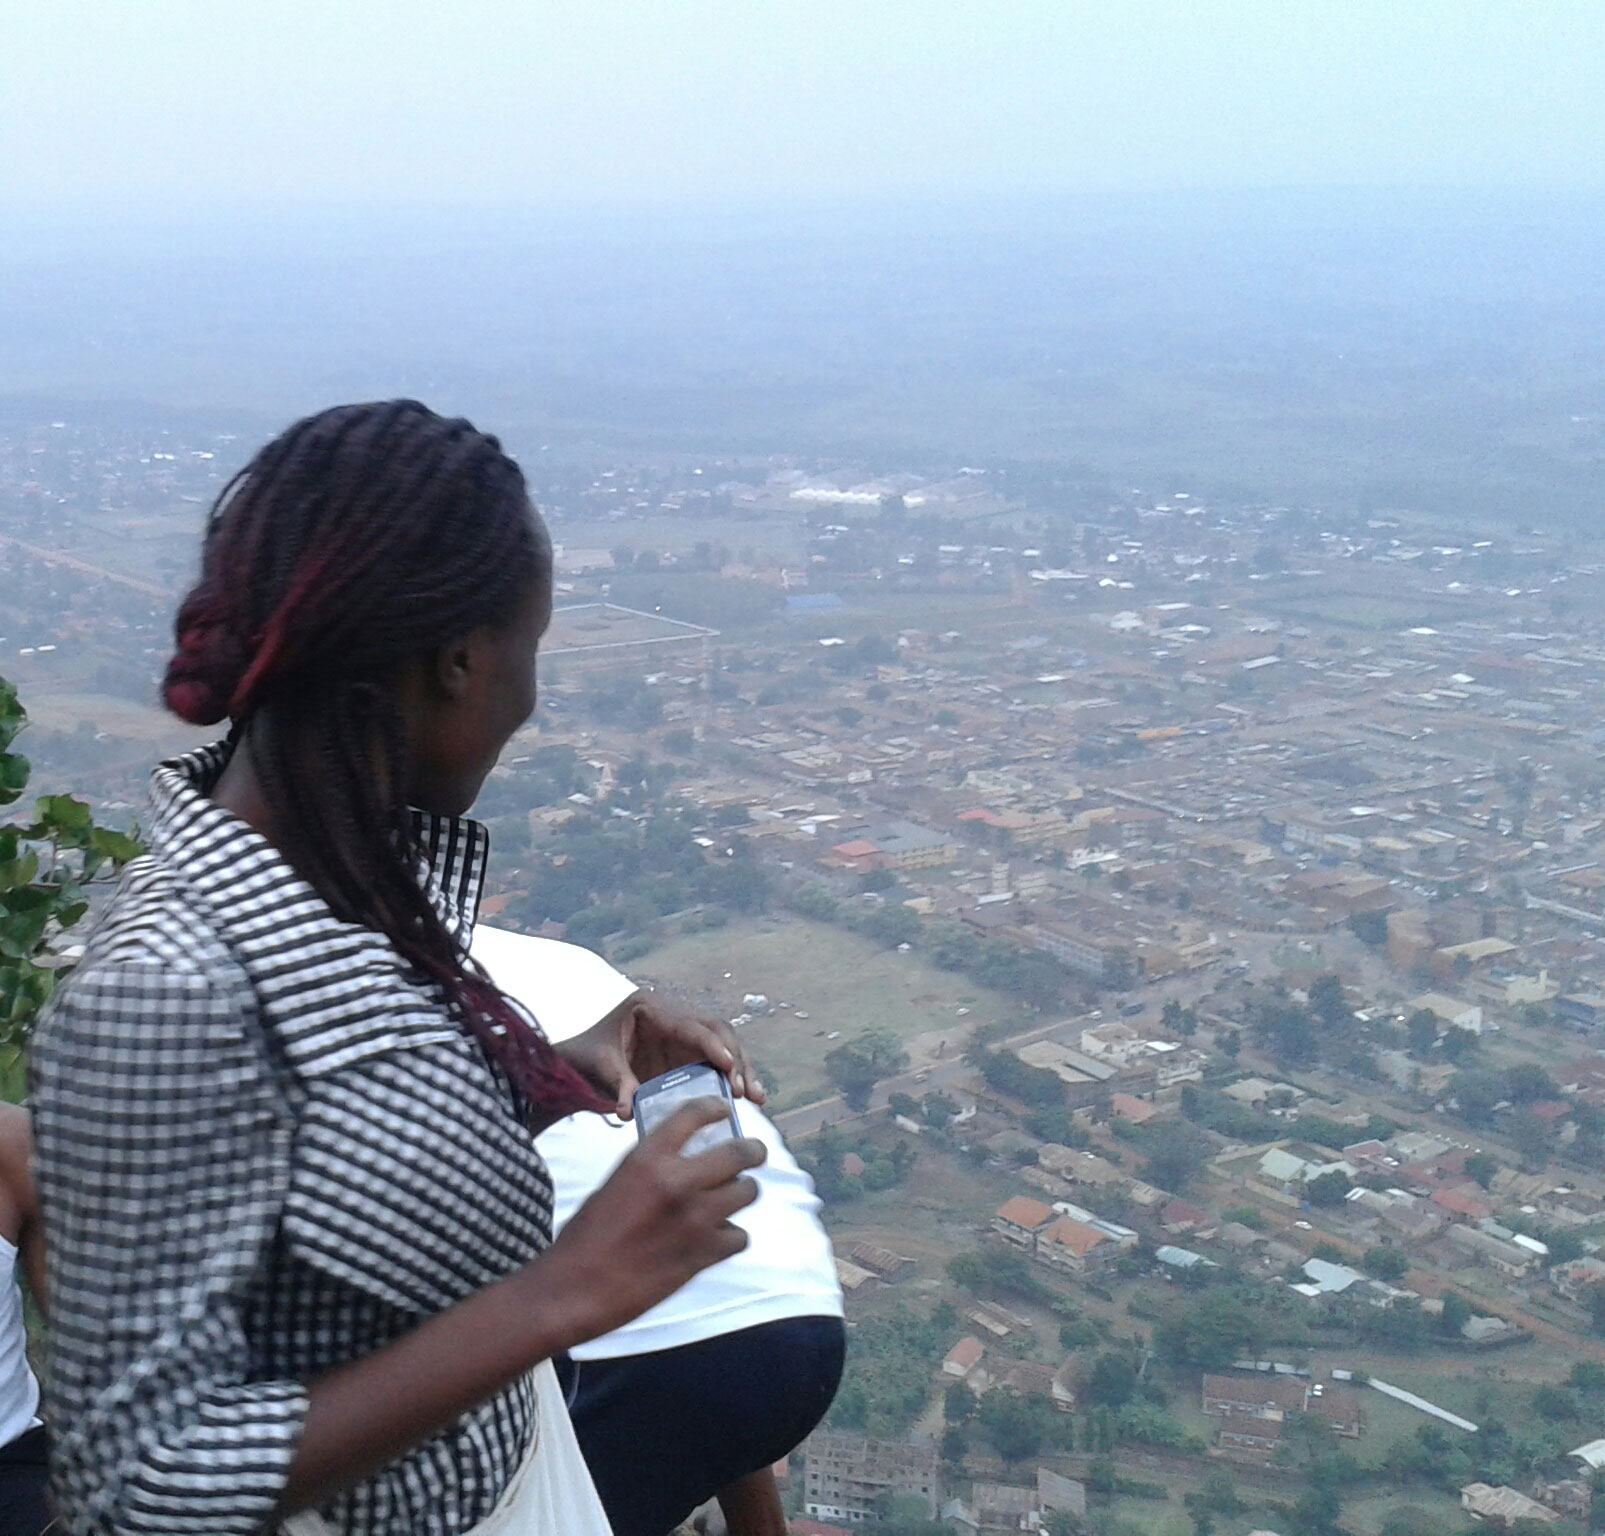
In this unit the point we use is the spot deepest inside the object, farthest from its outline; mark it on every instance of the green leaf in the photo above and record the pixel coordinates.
(16, 872)
(71, 913)
(64, 820)
(65, 811)
(22, 932)
(14, 770)
(12, 715)
(119, 847)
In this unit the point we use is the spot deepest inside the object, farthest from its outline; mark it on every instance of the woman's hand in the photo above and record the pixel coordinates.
(660, 1219)
(648, 1034)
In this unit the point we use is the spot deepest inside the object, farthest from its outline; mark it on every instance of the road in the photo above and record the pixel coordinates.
(73, 563)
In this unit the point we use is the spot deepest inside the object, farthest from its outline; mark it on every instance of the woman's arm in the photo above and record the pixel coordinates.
(657, 1222)
(163, 1165)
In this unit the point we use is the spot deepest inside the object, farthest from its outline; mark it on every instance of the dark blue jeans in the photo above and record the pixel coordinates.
(24, 1474)
(663, 1432)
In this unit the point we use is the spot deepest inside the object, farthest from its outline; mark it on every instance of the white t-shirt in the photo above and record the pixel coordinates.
(19, 1392)
(786, 1270)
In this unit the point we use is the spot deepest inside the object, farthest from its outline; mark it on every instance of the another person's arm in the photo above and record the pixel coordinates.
(751, 1505)
(649, 1033)
(19, 1206)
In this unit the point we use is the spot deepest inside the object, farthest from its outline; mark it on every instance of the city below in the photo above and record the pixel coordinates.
(1174, 931)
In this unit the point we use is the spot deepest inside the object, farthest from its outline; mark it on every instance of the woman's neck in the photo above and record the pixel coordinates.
(239, 790)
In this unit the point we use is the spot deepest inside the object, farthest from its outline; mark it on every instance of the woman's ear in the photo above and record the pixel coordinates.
(451, 672)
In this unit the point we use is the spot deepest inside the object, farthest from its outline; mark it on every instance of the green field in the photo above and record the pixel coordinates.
(842, 982)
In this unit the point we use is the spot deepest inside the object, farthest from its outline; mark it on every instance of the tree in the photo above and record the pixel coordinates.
(1476, 1093)
(46, 864)
(1329, 1005)
(1388, 1264)
(959, 1404)
(1532, 1139)
(1422, 1030)
(1587, 1377)
(1112, 1381)
(1179, 1020)
(903, 1104)
(1527, 1081)
(1458, 1045)
(994, 1272)
(1370, 927)
(1177, 1154)
(1078, 1333)
(862, 1062)
(1413, 1520)
(1482, 1168)
(1018, 1426)
(1456, 1314)
(1316, 1512)
(1554, 1403)
(1327, 1189)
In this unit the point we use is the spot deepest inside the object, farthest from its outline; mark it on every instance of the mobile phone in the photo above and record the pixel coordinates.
(657, 1099)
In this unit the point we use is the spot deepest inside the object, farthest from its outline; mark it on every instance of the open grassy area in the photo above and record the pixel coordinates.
(842, 982)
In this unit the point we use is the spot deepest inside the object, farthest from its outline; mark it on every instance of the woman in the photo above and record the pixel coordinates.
(299, 1238)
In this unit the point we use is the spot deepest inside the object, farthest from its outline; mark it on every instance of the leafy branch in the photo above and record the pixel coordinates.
(45, 867)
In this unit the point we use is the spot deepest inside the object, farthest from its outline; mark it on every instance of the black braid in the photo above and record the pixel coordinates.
(362, 539)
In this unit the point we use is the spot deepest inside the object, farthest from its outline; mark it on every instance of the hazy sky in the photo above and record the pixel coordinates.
(204, 100)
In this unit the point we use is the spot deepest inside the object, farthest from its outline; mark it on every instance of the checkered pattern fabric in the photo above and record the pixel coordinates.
(265, 1150)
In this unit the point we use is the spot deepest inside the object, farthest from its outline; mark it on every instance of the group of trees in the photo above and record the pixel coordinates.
(889, 925)
(1421, 1030)
(996, 1271)
(824, 1157)
(603, 875)
(1324, 1029)
(1496, 1453)
(1004, 1072)
(1033, 979)
(889, 1368)
(1207, 1334)
(1018, 1426)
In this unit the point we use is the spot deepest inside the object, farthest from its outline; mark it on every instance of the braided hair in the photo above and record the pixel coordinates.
(362, 539)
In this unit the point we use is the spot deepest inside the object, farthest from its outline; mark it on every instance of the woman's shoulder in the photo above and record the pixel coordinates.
(152, 920)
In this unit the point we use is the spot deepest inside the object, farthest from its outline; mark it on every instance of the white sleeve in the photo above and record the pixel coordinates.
(566, 987)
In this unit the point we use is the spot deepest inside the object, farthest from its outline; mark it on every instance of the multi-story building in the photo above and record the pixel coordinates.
(1079, 952)
(904, 845)
(1019, 1219)
(847, 1474)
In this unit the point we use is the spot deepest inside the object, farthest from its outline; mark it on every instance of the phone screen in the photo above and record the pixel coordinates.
(657, 1100)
